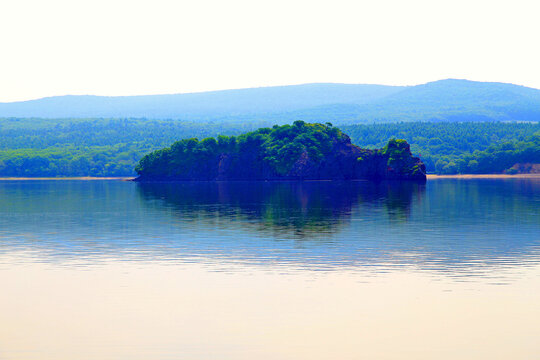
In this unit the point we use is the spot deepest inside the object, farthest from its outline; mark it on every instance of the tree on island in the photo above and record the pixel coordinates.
(300, 151)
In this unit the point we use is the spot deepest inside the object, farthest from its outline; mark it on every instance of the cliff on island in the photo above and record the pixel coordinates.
(300, 151)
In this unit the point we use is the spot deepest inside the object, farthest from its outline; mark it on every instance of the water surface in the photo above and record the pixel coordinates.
(265, 270)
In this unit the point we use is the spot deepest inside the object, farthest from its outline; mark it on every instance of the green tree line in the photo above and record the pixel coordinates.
(278, 147)
(458, 147)
(113, 147)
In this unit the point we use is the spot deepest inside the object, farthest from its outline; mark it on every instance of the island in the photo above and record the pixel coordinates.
(301, 151)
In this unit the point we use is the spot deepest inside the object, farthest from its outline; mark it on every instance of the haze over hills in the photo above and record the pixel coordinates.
(444, 100)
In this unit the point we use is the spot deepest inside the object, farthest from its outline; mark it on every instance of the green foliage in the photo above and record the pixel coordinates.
(279, 147)
(285, 143)
(94, 147)
(112, 147)
(397, 151)
(452, 148)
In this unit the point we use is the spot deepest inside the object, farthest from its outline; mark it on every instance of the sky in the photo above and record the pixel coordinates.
(110, 47)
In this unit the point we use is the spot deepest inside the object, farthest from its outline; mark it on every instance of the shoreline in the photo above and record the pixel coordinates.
(82, 178)
(483, 176)
(428, 177)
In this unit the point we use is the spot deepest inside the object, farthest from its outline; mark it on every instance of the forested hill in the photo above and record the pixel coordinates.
(300, 151)
(214, 105)
(445, 100)
(112, 147)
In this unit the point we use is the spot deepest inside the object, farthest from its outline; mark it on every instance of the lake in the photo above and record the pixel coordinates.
(270, 270)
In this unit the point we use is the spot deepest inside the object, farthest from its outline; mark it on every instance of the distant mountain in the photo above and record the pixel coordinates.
(444, 100)
(460, 100)
(204, 105)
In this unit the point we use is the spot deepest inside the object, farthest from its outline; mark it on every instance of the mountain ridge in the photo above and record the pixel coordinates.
(442, 100)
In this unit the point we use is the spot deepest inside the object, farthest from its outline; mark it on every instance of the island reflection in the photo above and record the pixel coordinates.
(306, 209)
(448, 226)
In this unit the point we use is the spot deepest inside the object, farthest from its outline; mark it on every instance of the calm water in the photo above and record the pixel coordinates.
(314, 270)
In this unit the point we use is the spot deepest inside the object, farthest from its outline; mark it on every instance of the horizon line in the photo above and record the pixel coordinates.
(262, 87)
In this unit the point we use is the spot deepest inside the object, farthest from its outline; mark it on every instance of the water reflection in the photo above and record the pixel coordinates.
(305, 209)
(117, 270)
(459, 228)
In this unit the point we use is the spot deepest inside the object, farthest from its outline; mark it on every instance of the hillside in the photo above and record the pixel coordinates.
(300, 151)
(213, 105)
(444, 100)
(112, 147)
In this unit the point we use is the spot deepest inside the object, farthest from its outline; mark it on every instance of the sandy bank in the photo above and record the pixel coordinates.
(429, 177)
(484, 176)
(65, 178)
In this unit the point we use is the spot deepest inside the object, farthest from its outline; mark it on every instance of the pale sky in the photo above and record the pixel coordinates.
(110, 47)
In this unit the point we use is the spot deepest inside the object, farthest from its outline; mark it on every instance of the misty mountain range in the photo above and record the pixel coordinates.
(444, 100)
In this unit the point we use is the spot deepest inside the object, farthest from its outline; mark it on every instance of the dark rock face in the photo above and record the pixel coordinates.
(524, 168)
(344, 162)
(349, 162)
